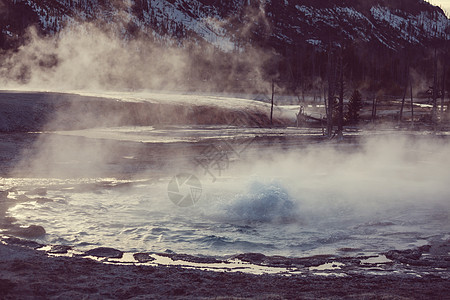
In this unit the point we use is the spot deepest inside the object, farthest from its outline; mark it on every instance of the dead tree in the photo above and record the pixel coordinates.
(374, 108)
(271, 106)
(412, 104)
(326, 111)
(443, 89)
(407, 79)
(341, 98)
(403, 104)
(331, 91)
(435, 91)
(300, 116)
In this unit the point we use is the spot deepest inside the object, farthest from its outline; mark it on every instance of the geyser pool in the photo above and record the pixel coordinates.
(260, 217)
(385, 192)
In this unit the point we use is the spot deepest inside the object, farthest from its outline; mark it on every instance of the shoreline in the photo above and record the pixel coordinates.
(27, 273)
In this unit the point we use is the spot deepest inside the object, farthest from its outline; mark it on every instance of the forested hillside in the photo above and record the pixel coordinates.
(380, 42)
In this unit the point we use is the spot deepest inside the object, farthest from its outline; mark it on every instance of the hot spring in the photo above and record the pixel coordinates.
(380, 194)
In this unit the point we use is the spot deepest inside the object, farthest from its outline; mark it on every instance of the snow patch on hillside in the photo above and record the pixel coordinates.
(173, 21)
(410, 27)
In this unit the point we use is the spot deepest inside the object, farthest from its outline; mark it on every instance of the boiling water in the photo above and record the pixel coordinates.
(233, 215)
(387, 193)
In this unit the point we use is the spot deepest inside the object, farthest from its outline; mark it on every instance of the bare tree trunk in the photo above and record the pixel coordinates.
(331, 84)
(374, 108)
(322, 124)
(341, 98)
(303, 91)
(403, 104)
(435, 92)
(271, 106)
(412, 104)
(407, 79)
(443, 90)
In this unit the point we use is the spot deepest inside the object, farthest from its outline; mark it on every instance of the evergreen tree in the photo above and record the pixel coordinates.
(354, 106)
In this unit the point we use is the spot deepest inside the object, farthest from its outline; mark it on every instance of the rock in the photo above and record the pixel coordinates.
(32, 231)
(413, 254)
(438, 257)
(439, 248)
(254, 258)
(105, 252)
(59, 249)
(192, 258)
(37, 191)
(143, 257)
(20, 242)
(42, 200)
(424, 249)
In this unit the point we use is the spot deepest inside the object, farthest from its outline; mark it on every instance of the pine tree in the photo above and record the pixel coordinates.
(354, 106)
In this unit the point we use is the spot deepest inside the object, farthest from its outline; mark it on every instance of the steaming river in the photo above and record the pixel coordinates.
(390, 194)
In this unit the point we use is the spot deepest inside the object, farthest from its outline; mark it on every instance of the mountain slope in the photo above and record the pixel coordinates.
(229, 23)
(239, 40)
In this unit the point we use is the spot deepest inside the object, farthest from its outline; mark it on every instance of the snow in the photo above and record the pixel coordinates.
(177, 98)
(332, 16)
(204, 25)
(339, 17)
(207, 23)
(411, 28)
(7, 32)
(314, 42)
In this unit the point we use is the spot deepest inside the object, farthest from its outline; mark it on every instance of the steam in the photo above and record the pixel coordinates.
(85, 57)
(382, 174)
(380, 177)
(92, 57)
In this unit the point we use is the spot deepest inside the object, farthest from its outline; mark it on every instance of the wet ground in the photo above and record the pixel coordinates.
(31, 274)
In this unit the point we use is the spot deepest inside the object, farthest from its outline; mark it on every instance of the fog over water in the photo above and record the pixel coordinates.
(382, 193)
(378, 193)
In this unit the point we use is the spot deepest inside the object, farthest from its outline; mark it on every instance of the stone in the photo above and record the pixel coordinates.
(105, 252)
(59, 249)
(20, 242)
(42, 200)
(38, 191)
(143, 257)
(254, 258)
(32, 231)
